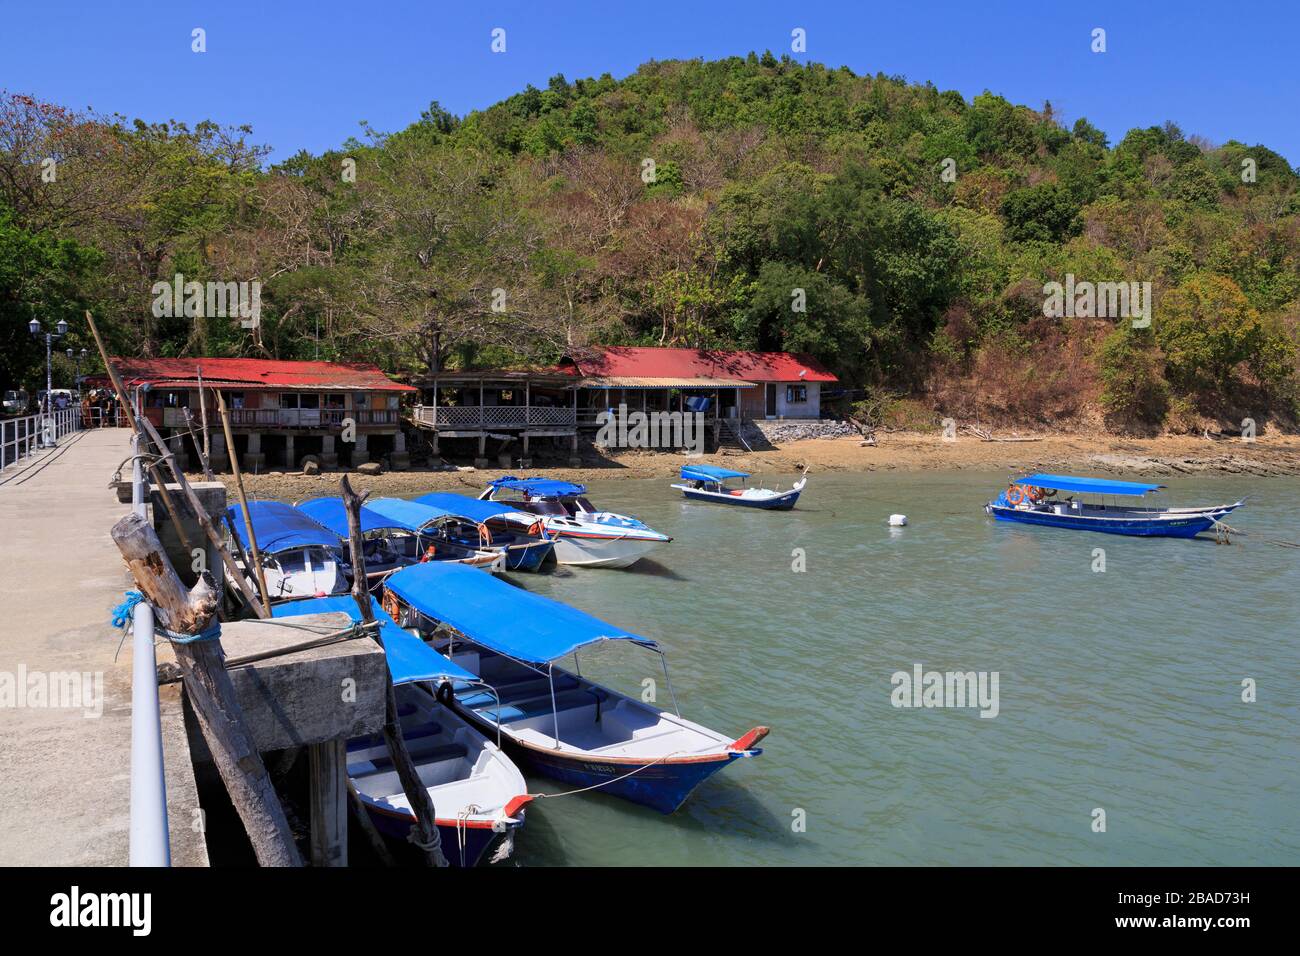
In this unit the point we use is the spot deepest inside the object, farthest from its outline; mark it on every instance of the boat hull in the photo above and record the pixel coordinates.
(462, 846)
(529, 557)
(661, 785)
(591, 551)
(781, 502)
(1179, 526)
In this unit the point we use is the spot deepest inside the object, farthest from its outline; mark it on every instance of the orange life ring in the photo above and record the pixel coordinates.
(1015, 494)
(1036, 495)
(484, 536)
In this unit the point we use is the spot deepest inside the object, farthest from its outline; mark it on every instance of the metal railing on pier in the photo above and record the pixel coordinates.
(23, 436)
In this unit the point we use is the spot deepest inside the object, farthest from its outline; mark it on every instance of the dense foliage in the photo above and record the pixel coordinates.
(896, 231)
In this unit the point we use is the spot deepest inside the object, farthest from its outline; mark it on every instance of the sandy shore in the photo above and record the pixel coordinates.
(902, 451)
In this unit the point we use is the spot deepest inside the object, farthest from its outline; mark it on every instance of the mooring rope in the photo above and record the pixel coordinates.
(123, 614)
(1226, 529)
(597, 786)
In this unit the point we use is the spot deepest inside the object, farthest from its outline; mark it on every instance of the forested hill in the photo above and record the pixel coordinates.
(900, 233)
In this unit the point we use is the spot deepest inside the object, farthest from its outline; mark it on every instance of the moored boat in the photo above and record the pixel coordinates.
(554, 721)
(583, 535)
(300, 558)
(478, 793)
(1036, 499)
(522, 536)
(709, 483)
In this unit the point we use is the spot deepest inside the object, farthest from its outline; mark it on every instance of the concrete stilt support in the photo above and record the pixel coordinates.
(253, 459)
(217, 454)
(329, 807)
(177, 444)
(290, 460)
(328, 456)
(398, 459)
(361, 450)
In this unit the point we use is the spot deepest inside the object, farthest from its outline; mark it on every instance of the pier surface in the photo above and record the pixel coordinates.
(65, 770)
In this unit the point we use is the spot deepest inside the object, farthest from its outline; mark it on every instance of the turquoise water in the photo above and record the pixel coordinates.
(1118, 690)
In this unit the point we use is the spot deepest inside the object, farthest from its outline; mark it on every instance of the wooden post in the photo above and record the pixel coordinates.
(125, 405)
(203, 667)
(203, 412)
(329, 807)
(417, 795)
(243, 499)
(368, 826)
(206, 524)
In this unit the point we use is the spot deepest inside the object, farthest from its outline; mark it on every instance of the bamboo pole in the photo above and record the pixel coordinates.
(243, 499)
(203, 412)
(124, 404)
(210, 690)
(417, 795)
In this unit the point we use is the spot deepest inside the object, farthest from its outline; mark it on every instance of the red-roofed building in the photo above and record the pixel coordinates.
(284, 410)
(763, 384)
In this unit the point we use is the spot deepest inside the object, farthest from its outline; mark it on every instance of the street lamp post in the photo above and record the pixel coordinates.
(35, 328)
(79, 357)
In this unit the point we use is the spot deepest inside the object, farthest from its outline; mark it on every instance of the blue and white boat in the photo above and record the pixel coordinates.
(709, 483)
(554, 721)
(523, 537)
(1037, 499)
(478, 793)
(583, 535)
(395, 533)
(300, 558)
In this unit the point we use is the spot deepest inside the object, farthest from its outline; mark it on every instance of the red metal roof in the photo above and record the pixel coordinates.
(245, 373)
(617, 360)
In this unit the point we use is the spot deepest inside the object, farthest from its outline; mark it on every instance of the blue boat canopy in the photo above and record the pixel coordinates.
(280, 527)
(409, 658)
(541, 487)
(710, 473)
(1096, 486)
(464, 506)
(331, 513)
(500, 616)
(400, 513)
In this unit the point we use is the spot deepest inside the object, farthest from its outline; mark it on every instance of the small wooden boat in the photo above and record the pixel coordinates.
(583, 536)
(709, 483)
(523, 537)
(554, 721)
(1036, 499)
(397, 533)
(300, 558)
(477, 791)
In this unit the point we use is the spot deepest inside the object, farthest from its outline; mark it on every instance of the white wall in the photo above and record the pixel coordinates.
(808, 409)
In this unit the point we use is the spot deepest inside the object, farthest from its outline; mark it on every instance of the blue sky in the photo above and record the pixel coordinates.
(304, 74)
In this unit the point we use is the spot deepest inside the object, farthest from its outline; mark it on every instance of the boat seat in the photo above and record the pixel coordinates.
(539, 706)
(419, 755)
(477, 698)
(377, 740)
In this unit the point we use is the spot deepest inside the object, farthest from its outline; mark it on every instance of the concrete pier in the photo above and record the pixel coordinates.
(65, 769)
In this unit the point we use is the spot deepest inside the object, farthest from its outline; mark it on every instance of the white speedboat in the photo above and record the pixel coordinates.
(583, 535)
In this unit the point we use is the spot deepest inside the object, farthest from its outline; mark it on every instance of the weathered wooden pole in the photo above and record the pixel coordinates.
(203, 412)
(328, 771)
(368, 826)
(417, 795)
(125, 405)
(243, 499)
(203, 668)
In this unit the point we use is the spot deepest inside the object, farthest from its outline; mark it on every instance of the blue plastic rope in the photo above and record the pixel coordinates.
(123, 615)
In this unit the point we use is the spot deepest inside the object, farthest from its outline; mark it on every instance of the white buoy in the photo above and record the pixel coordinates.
(897, 521)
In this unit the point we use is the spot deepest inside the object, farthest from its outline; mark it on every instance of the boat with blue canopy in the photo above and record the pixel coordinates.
(300, 557)
(1055, 501)
(583, 535)
(552, 720)
(523, 537)
(478, 793)
(395, 533)
(709, 483)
